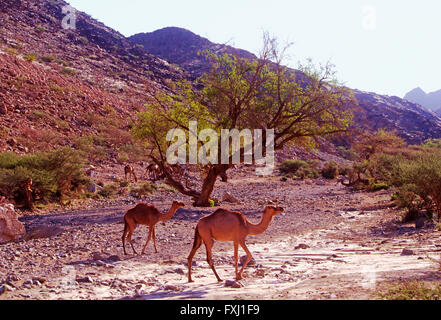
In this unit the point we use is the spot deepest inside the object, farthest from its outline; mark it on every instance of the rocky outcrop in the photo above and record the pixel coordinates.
(10, 228)
(412, 122)
(431, 101)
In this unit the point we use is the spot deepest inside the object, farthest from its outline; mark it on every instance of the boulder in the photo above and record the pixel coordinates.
(10, 228)
(92, 187)
(229, 198)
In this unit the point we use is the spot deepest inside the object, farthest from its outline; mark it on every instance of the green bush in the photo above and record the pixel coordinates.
(108, 191)
(31, 57)
(411, 290)
(54, 174)
(143, 190)
(291, 166)
(330, 170)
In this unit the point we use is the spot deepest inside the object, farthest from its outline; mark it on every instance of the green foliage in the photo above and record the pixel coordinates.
(330, 170)
(107, 191)
(30, 56)
(379, 186)
(291, 166)
(40, 29)
(346, 153)
(84, 40)
(212, 203)
(47, 58)
(11, 51)
(143, 190)
(411, 290)
(54, 174)
(68, 71)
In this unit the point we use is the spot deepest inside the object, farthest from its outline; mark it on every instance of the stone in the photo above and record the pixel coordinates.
(233, 284)
(3, 109)
(301, 246)
(84, 279)
(179, 271)
(10, 228)
(171, 288)
(244, 258)
(407, 252)
(96, 256)
(114, 258)
(229, 198)
(419, 222)
(92, 187)
(43, 232)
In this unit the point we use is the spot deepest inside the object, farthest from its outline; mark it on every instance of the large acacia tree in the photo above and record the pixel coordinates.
(242, 94)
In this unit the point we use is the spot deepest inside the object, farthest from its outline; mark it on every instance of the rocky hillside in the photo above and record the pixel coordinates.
(181, 47)
(430, 100)
(412, 122)
(55, 83)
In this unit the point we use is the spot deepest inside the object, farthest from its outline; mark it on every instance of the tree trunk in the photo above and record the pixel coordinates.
(207, 187)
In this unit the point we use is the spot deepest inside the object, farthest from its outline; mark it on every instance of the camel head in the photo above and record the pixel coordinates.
(178, 204)
(273, 210)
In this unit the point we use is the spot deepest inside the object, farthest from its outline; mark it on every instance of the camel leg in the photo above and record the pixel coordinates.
(236, 257)
(154, 239)
(129, 237)
(209, 245)
(196, 245)
(249, 257)
(148, 239)
(124, 238)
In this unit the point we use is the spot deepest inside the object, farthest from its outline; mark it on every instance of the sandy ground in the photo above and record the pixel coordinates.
(330, 243)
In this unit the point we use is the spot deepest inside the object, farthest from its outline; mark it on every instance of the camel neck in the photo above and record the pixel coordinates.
(168, 215)
(256, 229)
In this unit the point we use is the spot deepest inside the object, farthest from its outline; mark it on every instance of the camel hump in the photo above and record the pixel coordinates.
(226, 212)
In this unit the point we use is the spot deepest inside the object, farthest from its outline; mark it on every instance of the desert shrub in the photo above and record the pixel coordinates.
(54, 174)
(47, 58)
(307, 172)
(330, 170)
(11, 51)
(291, 166)
(378, 186)
(108, 191)
(346, 153)
(143, 190)
(411, 290)
(31, 57)
(68, 71)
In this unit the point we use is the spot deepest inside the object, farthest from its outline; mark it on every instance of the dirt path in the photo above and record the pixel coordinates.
(329, 244)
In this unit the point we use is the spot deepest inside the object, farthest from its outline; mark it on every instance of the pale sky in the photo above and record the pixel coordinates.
(388, 46)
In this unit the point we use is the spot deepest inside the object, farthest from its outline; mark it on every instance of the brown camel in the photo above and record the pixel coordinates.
(128, 170)
(227, 225)
(149, 215)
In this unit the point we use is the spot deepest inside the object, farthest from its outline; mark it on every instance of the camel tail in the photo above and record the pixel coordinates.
(197, 239)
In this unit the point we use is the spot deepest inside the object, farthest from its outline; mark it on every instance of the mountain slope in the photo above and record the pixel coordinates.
(430, 100)
(57, 83)
(412, 122)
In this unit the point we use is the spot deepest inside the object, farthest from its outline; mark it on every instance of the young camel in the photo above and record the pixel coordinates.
(128, 170)
(149, 215)
(227, 225)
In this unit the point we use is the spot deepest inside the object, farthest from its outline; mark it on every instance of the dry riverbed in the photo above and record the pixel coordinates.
(330, 243)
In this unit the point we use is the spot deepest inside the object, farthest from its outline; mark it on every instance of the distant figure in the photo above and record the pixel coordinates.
(28, 195)
(153, 172)
(128, 170)
(90, 172)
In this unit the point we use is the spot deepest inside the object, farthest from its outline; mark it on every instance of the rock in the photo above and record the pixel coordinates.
(91, 187)
(96, 256)
(302, 246)
(84, 279)
(320, 182)
(10, 228)
(114, 258)
(259, 273)
(3, 109)
(419, 222)
(229, 198)
(407, 252)
(43, 232)
(179, 271)
(244, 258)
(172, 288)
(233, 284)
